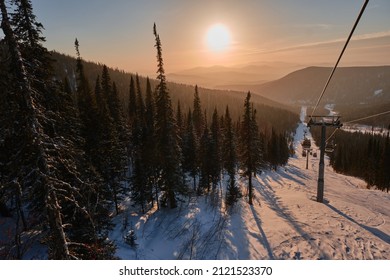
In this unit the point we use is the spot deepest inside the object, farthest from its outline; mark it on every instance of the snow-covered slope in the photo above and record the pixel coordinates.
(284, 222)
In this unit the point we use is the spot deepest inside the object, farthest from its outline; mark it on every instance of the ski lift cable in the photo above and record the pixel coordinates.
(334, 132)
(341, 54)
(360, 119)
(376, 115)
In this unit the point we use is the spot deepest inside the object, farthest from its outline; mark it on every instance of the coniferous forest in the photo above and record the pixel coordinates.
(71, 150)
(365, 155)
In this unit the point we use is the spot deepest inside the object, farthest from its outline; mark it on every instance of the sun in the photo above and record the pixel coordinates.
(218, 38)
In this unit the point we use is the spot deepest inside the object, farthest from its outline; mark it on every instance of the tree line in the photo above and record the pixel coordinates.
(361, 154)
(372, 161)
(69, 155)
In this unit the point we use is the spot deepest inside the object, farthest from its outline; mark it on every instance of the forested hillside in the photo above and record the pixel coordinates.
(75, 145)
(350, 113)
(270, 113)
(361, 154)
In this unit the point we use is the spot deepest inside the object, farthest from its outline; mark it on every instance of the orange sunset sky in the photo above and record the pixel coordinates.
(305, 32)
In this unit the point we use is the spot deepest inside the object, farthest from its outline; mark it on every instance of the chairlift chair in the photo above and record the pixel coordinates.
(306, 144)
(329, 148)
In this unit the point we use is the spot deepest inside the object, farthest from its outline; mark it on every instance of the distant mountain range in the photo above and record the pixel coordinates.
(354, 91)
(349, 86)
(222, 77)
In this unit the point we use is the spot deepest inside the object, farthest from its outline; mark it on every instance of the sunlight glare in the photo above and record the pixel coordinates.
(218, 38)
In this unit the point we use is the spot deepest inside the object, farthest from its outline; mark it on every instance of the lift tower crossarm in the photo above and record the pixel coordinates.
(333, 121)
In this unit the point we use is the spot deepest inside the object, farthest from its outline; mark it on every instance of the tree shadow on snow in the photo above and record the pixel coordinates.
(299, 177)
(378, 233)
(264, 237)
(273, 202)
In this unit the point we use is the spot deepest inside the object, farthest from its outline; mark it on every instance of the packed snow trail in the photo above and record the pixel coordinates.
(351, 224)
(284, 222)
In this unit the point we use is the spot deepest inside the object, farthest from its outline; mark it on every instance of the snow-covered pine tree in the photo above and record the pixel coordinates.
(168, 150)
(41, 166)
(24, 123)
(28, 33)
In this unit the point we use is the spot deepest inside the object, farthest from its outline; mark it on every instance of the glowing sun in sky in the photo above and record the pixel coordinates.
(218, 38)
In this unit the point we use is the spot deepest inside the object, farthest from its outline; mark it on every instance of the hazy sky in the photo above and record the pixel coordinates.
(119, 32)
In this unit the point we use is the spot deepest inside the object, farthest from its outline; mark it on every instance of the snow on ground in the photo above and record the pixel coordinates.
(284, 222)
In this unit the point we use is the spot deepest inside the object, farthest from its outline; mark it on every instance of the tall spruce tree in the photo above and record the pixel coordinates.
(106, 88)
(197, 115)
(141, 188)
(114, 136)
(250, 153)
(230, 159)
(190, 157)
(179, 119)
(166, 137)
(87, 108)
(28, 33)
(150, 159)
(215, 149)
(132, 106)
(94, 118)
(205, 163)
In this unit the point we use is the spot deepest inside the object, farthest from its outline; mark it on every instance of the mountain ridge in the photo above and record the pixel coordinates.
(369, 84)
(220, 77)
